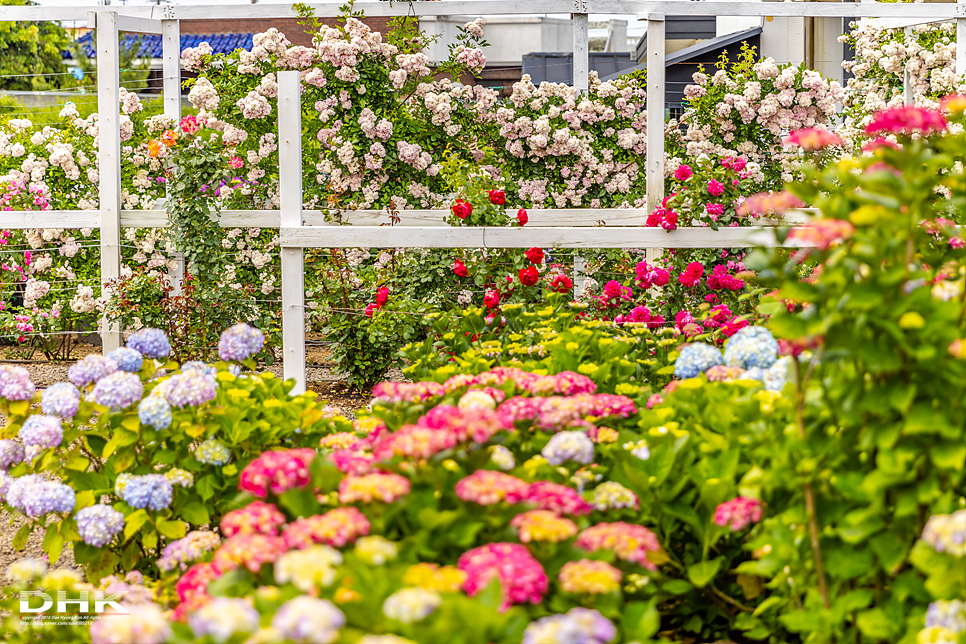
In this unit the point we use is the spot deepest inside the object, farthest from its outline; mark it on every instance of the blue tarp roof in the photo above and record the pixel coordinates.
(151, 43)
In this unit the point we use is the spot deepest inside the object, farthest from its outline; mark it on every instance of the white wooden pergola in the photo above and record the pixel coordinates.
(301, 229)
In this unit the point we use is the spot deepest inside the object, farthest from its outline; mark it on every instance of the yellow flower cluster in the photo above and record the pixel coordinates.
(444, 579)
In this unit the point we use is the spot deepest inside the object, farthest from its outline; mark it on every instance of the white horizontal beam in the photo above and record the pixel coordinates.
(138, 25)
(270, 218)
(545, 237)
(919, 11)
(20, 219)
(932, 11)
(442, 7)
(26, 14)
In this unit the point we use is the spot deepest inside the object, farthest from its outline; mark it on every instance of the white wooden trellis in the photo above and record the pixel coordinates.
(301, 229)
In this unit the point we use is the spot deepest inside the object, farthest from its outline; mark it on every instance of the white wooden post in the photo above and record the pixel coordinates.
(581, 64)
(908, 91)
(290, 206)
(109, 161)
(655, 118)
(961, 41)
(581, 72)
(171, 86)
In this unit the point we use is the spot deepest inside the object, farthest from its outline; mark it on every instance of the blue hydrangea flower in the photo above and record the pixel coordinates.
(189, 389)
(774, 377)
(35, 496)
(155, 411)
(11, 453)
(569, 446)
(121, 483)
(212, 452)
(98, 524)
(151, 343)
(15, 383)
(149, 491)
(127, 359)
(752, 346)
(42, 432)
(696, 359)
(240, 342)
(61, 400)
(118, 390)
(91, 369)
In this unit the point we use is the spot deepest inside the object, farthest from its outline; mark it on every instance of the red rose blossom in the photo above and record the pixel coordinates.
(529, 275)
(561, 284)
(535, 255)
(382, 296)
(492, 299)
(522, 218)
(462, 209)
(497, 197)
(460, 269)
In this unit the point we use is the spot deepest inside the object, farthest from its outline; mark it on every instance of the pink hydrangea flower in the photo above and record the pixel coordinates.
(277, 471)
(378, 486)
(257, 517)
(629, 541)
(522, 577)
(738, 513)
(488, 487)
(561, 499)
(248, 550)
(334, 528)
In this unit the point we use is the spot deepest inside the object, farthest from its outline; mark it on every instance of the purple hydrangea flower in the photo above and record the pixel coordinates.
(240, 342)
(91, 369)
(188, 389)
(576, 626)
(569, 446)
(198, 365)
(149, 491)
(42, 432)
(15, 383)
(98, 524)
(151, 343)
(222, 617)
(155, 411)
(306, 616)
(35, 496)
(5, 481)
(11, 453)
(183, 551)
(118, 390)
(61, 400)
(127, 359)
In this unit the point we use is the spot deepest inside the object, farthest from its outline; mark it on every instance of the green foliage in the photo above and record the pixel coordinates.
(30, 53)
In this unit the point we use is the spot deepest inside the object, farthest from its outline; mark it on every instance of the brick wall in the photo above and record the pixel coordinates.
(295, 32)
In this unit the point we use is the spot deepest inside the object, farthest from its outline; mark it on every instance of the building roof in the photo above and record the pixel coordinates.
(686, 54)
(151, 43)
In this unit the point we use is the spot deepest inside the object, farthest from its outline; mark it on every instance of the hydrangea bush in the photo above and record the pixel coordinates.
(135, 449)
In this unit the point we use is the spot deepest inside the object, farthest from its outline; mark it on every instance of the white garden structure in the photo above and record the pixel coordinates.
(301, 229)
